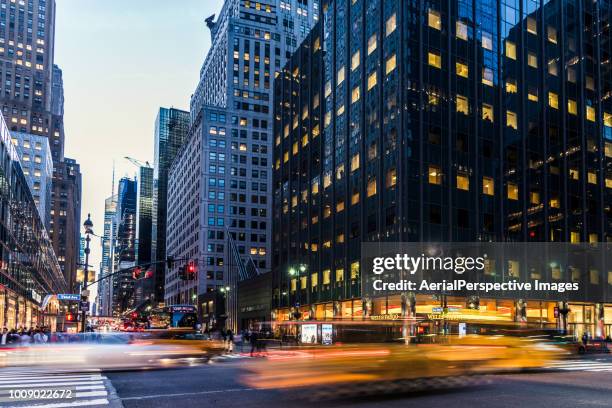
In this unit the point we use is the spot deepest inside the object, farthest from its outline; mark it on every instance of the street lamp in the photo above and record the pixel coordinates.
(88, 225)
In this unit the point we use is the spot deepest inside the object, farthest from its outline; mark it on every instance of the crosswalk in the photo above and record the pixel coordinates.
(582, 365)
(229, 357)
(37, 388)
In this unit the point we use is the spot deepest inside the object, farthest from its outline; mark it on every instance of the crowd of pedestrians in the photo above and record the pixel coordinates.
(24, 337)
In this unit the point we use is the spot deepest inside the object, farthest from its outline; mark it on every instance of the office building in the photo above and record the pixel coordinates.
(145, 288)
(230, 148)
(440, 122)
(106, 264)
(37, 165)
(124, 255)
(171, 130)
(28, 269)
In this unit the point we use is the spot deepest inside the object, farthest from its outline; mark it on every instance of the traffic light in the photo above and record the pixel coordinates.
(191, 271)
(136, 272)
(170, 262)
(69, 317)
(182, 272)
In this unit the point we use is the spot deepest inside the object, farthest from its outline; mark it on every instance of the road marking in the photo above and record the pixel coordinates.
(181, 394)
(578, 365)
(99, 401)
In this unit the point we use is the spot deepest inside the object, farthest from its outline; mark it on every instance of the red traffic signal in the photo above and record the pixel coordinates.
(148, 274)
(136, 273)
(69, 317)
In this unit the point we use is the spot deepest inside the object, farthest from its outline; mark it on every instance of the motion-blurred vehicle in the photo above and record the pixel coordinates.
(181, 337)
(361, 366)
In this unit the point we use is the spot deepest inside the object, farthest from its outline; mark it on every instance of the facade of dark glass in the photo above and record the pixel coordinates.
(441, 122)
(125, 247)
(144, 216)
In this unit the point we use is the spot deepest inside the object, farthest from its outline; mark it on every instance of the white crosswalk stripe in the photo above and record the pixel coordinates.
(28, 388)
(582, 365)
(230, 356)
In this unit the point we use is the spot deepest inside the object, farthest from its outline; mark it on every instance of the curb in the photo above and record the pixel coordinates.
(114, 400)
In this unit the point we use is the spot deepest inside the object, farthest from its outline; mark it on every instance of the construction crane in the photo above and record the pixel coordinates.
(138, 163)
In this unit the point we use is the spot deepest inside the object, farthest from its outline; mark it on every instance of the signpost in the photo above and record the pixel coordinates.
(75, 297)
(84, 306)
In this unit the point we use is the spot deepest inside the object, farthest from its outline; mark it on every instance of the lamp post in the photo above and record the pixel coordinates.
(88, 230)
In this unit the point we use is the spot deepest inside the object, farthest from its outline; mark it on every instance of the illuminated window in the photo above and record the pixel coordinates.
(434, 20)
(372, 44)
(355, 270)
(434, 59)
(371, 188)
(532, 26)
(314, 279)
(532, 94)
(355, 60)
(487, 76)
(463, 181)
(340, 206)
(487, 41)
(355, 197)
(462, 30)
(608, 182)
(552, 67)
(355, 94)
(340, 76)
(510, 50)
(574, 174)
(463, 105)
(390, 25)
(607, 119)
(339, 275)
(462, 69)
(390, 64)
(488, 186)
(434, 174)
(572, 107)
(553, 100)
(487, 112)
(532, 59)
(554, 202)
(534, 197)
(391, 178)
(328, 88)
(372, 79)
(293, 285)
(574, 237)
(326, 277)
(432, 99)
(592, 177)
(511, 86)
(355, 162)
(608, 149)
(511, 120)
(589, 83)
(551, 34)
(590, 113)
(512, 191)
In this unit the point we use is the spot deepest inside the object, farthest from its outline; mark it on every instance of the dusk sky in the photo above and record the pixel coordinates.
(121, 61)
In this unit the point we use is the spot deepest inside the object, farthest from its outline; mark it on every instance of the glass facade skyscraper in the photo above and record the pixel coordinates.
(124, 255)
(144, 217)
(438, 121)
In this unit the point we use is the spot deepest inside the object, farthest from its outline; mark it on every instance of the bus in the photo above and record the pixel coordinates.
(173, 316)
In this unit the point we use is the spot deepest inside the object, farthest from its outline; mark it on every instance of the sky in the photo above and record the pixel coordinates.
(121, 61)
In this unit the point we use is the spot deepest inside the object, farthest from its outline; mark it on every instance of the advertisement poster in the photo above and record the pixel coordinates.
(327, 334)
(309, 334)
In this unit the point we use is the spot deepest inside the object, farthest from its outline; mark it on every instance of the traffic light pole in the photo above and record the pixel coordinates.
(88, 226)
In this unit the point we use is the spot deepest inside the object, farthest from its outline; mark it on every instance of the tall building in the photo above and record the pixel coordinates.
(28, 267)
(37, 165)
(171, 130)
(226, 164)
(440, 122)
(124, 255)
(106, 264)
(145, 288)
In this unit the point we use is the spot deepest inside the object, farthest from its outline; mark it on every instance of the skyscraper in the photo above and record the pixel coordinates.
(144, 216)
(227, 160)
(106, 265)
(171, 130)
(125, 247)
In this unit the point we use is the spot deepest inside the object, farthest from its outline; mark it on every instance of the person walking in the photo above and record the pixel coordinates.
(4, 338)
(230, 341)
(253, 340)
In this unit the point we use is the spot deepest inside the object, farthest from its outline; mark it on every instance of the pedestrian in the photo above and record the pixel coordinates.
(4, 338)
(585, 339)
(38, 337)
(253, 340)
(230, 341)
(25, 339)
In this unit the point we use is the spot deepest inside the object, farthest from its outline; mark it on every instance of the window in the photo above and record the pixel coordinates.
(551, 34)
(512, 191)
(372, 44)
(390, 64)
(314, 279)
(391, 178)
(510, 50)
(462, 69)
(511, 86)
(574, 174)
(434, 20)
(574, 237)
(463, 105)
(532, 93)
(592, 177)
(607, 119)
(487, 76)
(434, 59)
(463, 181)
(532, 59)
(590, 113)
(532, 27)
(355, 60)
(487, 112)
(371, 188)
(487, 41)
(462, 30)
(340, 76)
(435, 175)
(511, 120)
(552, 67)
(553, 100)
(355, 94)
(488, 186)
(390, 25)
(355, 162)
(572, 107)
(372, 79)
(534, 197)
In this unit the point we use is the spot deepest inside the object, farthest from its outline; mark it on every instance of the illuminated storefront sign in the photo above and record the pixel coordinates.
(392, 316)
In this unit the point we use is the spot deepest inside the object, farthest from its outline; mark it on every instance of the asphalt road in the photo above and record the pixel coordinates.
(218, 385)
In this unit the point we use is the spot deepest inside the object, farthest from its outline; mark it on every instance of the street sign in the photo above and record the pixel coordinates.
(85, 292)
(84, 306)
(69, 296)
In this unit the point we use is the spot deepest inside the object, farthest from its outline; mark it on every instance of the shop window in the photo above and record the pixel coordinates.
(435, 174)
(488, 186)
(463, 181)
(434, 59)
